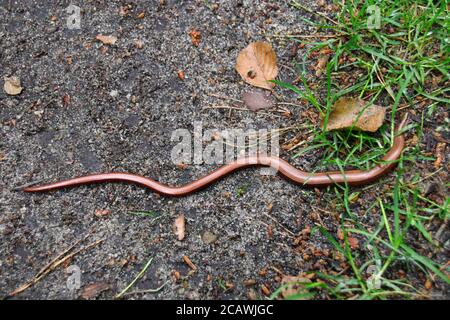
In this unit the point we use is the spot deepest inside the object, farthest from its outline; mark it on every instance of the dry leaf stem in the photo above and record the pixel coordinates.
(52, 265)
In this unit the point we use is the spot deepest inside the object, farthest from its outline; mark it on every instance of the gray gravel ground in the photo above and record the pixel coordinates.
(99, 132)
(124, 104)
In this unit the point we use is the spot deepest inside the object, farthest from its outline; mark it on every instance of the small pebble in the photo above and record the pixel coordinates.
(6, 228)
(209, 237)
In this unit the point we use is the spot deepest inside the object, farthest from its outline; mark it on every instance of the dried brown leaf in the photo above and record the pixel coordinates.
(189, 263)
(176, 274)
(321, 64)
(181, 74)
(257, 64)
(181, 166)
(196, 36)
(179, 227)
(123, 262)
(139, 44)
(102, 212)
(124, 10)
(340, 234)
(251, 295)
(353, 111)
(12, 86)
(94, 289)
(440, 154)
(66, 100)
(106, 39)
(265, 290)
(257, 100)
(353, 242)
(249, 282)
(428, 284)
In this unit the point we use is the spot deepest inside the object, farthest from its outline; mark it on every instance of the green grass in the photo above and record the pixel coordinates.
(132, 283)
(153, 216)
(242, 190)
(402, 65)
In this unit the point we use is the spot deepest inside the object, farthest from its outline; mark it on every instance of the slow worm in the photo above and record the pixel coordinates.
(317, 179)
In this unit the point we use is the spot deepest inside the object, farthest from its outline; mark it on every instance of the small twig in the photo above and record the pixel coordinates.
(425, 178)
(441, 229)
(296, 4)
(226, 107)
(318, 35)
(277, 270)
(60, 259)
(60, 256)
(40, 104)
(223, 97)
(147, 290)
(189, 263)
(289, 104)
(323, 210)
(381, 79)
(279, 224)
(300, 143)
(342, 271)
(245, 109)
(132, 283)
(289, 68)
(306, 36)
(404, 107)
(297, 145)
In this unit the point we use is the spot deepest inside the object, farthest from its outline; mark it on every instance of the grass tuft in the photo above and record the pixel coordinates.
(403, 65)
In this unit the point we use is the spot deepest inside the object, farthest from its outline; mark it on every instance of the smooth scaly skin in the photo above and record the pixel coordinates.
(318, 179)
